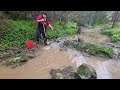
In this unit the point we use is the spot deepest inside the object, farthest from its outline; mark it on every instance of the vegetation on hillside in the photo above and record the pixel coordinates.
(17, 31)
(17, 26)
(62, 28)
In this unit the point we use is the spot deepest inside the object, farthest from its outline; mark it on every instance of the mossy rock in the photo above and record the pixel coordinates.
(18, 59)
(92, 49)
(66, 73)
(86, 71)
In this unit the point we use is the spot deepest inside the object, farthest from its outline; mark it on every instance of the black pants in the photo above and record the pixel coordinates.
(39, 32)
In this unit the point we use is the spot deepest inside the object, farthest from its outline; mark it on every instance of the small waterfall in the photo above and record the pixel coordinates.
(77, 57)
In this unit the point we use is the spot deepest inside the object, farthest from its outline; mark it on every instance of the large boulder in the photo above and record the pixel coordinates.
(86, 71)
(66, 73)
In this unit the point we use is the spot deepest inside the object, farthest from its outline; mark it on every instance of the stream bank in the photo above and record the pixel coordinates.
(57, 56)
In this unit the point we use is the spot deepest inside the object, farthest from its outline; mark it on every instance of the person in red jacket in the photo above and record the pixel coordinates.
(41, 29)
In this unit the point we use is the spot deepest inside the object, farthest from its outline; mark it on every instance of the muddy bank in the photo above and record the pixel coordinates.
(18, 56)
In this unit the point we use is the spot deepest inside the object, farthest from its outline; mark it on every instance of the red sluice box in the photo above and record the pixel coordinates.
(29, 44)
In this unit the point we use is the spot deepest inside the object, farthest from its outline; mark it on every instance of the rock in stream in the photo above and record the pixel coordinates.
(84, 71)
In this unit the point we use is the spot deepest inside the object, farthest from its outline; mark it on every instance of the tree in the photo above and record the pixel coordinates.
(115, 17)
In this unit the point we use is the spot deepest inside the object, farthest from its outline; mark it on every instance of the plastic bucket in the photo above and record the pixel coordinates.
(29, 44)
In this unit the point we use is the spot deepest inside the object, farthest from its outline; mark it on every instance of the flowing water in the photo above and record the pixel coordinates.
(39, 67)
(94, 37)
(52, 58)
(106, 69)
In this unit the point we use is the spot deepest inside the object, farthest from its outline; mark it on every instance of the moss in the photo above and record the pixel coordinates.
(86, 71)
(66, 73)
(18, 59)
(92, 49)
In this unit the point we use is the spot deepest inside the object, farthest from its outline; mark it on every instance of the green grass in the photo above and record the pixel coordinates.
(113, 33)
(92, 49)
(62, 28)
(17, 31)
(104, 26)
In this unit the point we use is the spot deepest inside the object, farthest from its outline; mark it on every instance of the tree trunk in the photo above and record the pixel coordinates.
(89, 17)
(95, 18)
(115, 17)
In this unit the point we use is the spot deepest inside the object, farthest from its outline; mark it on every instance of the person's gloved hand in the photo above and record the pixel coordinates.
(42, 20)
(52, 28)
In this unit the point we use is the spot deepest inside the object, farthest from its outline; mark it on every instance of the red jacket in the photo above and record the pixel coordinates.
(39, 18)
(40, 24)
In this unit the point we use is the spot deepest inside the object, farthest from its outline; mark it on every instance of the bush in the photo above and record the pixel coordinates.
(113, 33)
(115, 38)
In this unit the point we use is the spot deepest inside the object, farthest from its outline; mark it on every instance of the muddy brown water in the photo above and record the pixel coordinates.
(94, 37)
(39, 67)
(106, 69)
(90, 37)
(52, 58)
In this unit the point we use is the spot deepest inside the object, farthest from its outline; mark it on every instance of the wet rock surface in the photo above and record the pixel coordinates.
(80, 39)
(84, 71)
(116, 45)
(66, 73)
(16, 55)
(92, 30)
(85, 54)
(116, 49)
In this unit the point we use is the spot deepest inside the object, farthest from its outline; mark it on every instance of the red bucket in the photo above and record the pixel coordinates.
(29, 44)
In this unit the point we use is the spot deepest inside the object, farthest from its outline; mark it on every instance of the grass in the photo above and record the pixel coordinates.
(113, 33)
(17, 31)
(92, 49)
(104, 26)
(62, 28)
